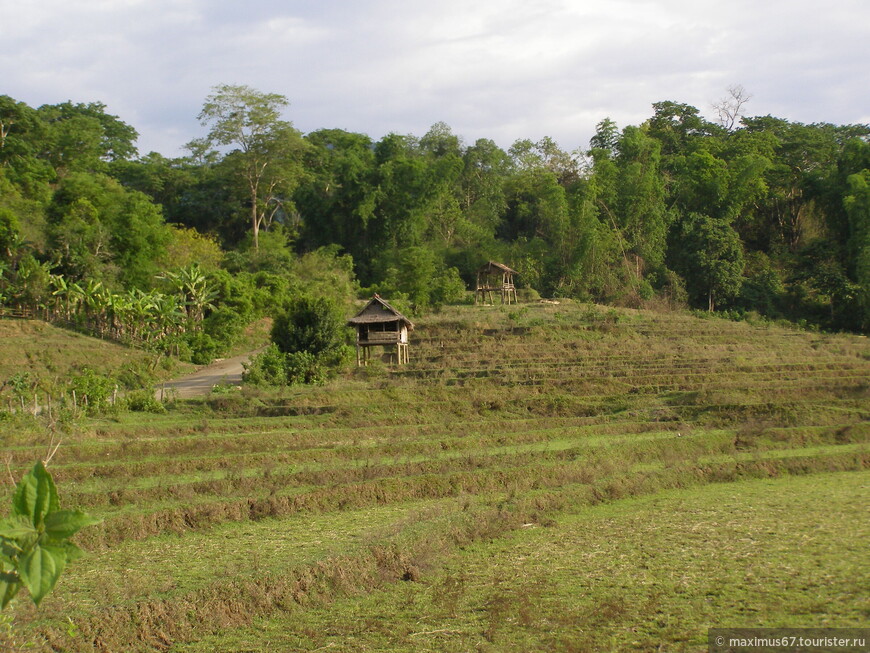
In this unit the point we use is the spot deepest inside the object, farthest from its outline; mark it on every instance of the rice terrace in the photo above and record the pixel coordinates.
(324, 391)
(538, 477)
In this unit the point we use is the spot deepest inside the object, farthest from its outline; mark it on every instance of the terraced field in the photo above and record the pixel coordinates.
(253, 521)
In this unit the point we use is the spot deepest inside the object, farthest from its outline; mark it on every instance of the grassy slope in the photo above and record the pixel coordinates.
(649, 573)
(505, 417)
(51, 353)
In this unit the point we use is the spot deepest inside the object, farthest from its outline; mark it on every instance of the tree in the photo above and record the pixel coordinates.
(678, 126)
(100, 229)
(187, 246)
(801, 155)
(857, 204)
(640, 209)
(338, 198)
(421, 276)
(729, 109)
(193, 289)
(310, 324)
(606, 137)
(22, 141)
(268, 150)
(84, 137)
(486, 166)
(711, 258)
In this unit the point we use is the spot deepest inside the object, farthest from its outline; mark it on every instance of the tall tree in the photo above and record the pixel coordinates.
(338, 197)
(641, 210)
(711, 259)
(729, 110)
(857, 204)
(83, 137)
(267, 152)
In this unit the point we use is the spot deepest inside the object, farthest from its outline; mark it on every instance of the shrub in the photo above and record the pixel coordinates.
(266, 368)
(303, 367)
(273, 367)
(34, 540)
(135, 375)
(92, 389)
(144, 401)
(310, 324)
(528, 295)
(224, 326)
(203, 348)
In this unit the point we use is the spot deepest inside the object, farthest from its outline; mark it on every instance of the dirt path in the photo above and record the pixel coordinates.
(200, 383)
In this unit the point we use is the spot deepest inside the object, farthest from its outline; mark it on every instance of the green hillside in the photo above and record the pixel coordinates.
(499, 493)
(49, 354)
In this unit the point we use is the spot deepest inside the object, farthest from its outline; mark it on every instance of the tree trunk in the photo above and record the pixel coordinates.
(255, 223)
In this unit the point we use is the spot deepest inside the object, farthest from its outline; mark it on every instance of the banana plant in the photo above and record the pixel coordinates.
(34, 541)
(60, 292)
(192, 286)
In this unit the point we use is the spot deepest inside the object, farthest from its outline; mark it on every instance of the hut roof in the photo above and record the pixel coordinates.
(492, 266)
(379, 310)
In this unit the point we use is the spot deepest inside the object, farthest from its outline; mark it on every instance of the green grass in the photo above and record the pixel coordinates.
(46, 351)
(173, 565)
(648, 573)
(50, 355)
(228, 515)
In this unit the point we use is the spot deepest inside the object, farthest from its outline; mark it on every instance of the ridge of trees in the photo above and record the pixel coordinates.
(740, 214)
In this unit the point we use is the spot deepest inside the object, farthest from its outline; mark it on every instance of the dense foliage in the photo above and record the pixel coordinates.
(740, 214)
(309, 342)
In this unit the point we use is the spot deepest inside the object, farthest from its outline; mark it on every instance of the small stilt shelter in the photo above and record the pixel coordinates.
(495, 278)
(379, 324)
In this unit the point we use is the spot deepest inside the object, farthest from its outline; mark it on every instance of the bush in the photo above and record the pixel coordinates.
(224, 326)
(144, 401)
(303, 367)
(203, 348)
(266, 368)
(272, 367)
(528, 295)
(309, 324)
(135, 375)
(92, 389)
(449, 288)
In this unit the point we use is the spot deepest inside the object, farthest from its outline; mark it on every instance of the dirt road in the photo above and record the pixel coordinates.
(200, 383)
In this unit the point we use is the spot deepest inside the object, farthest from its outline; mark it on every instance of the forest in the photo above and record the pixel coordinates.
(748, 216)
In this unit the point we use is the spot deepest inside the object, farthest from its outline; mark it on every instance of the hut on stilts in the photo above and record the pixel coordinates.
(495, 278)
(379, 324)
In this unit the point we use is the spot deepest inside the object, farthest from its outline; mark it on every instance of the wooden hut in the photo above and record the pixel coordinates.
(495, 278)
(379, 324)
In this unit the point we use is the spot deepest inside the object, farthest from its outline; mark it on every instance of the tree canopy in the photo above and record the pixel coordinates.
(739, 212)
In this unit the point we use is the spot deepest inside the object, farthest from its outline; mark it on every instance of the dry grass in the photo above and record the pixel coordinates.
(506, 417)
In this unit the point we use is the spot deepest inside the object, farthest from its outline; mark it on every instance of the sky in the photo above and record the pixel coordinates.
(498, 69)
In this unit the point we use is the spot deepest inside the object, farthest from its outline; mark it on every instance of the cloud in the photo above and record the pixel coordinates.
(500, 69)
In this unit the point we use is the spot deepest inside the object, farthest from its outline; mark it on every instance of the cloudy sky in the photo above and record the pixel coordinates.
(500, 69)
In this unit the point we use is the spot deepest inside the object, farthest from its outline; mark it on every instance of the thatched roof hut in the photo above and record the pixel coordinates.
(495, 277)
(379, 324)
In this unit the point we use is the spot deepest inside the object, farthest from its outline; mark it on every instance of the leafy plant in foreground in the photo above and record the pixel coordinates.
(34, 541)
